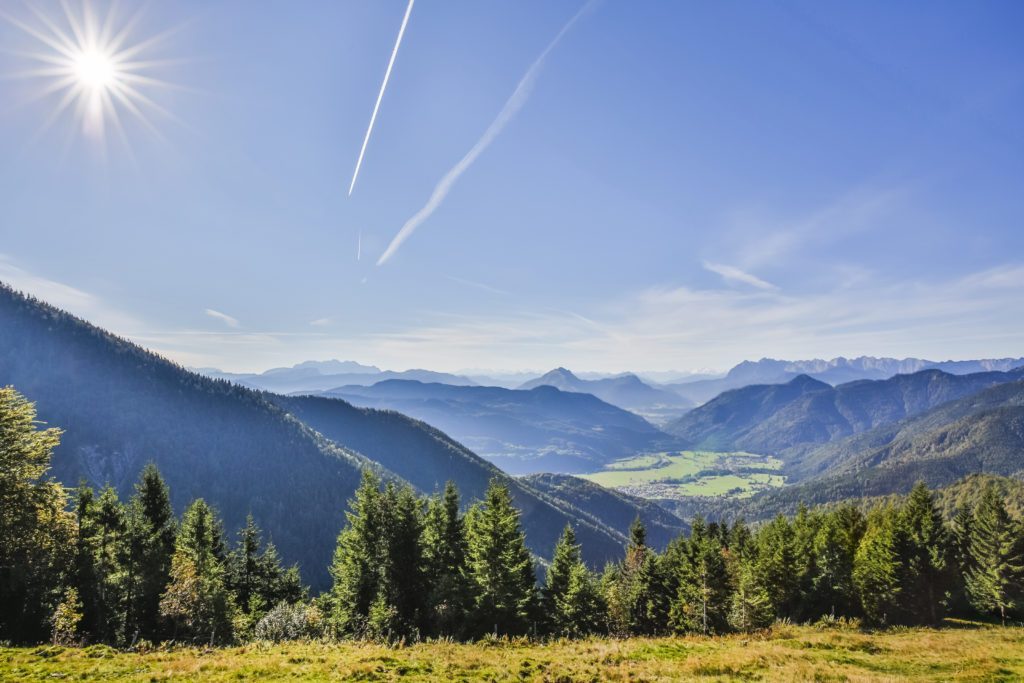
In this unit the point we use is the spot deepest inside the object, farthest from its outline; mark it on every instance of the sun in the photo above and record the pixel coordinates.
(95, 70)
(91, 66)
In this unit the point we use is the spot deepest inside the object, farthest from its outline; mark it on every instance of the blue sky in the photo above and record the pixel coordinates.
(685, 185)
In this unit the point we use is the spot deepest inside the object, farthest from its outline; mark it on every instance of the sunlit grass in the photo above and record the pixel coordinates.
(966, 652)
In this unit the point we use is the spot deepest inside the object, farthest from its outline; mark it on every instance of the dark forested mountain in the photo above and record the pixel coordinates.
(541, 430)
(427, 458)
(771, 418)
(314, 376)
(835, 371)
(625, 391)
(242, 450)
(121, 407)
(611, 508)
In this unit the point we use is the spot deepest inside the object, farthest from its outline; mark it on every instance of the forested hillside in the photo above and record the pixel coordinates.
(121, 407)
(427, 458)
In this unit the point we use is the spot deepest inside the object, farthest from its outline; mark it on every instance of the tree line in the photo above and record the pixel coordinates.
(84, 566)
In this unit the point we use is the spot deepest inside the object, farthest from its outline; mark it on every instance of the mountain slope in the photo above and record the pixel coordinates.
(122, 406)
(772, 418)
(523, 432)
(625, 391)
(611, 508)
(427, 458)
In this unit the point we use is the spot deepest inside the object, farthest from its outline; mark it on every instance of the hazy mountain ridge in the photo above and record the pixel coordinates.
(542, 429)
(627, 391)
(836, 371)
(313, 376)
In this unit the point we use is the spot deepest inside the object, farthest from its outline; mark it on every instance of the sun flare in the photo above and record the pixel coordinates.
(90, 66)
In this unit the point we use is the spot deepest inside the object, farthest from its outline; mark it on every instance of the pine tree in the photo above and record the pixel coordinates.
(961, 529)
(357, 559)
(196, 601)
(256, 578)
(835, 546)
(877, 571)
(500, 565)
(777, 565)
(36, 533)
(995, 581)
(927, 565)
(751, 606)
(403, 576)
(703, 598)
(153, 530)
(447, 570)
(571, 600)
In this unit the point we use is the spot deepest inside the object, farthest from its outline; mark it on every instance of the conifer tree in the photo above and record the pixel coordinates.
(927, 565)
(355, 567)
(702, 603)
(36, 533)
(777, 565)
(402, 587)
(500, 565)
(751, 606)
(995, 580)
(877, 570)
(571, 600)
(835, 546)
(447, 570)
(255, 575)
(197, 602)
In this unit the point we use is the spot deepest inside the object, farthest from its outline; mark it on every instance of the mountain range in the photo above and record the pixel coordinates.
(542, 429)
(244, 451)
(314, 376)
(835, 371)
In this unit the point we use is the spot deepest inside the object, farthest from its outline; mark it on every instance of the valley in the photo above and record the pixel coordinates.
(691, 474)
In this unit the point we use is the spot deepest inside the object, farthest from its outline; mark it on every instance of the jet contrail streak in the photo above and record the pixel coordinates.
(507, 113)
(380, 96)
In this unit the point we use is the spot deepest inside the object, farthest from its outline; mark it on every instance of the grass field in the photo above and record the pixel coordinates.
(691, 473)
(786, 653)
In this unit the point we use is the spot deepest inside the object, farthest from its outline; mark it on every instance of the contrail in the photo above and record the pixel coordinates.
(507, 113)
(380, 96)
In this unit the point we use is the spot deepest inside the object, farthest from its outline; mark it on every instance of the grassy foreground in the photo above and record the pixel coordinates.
(962, 652)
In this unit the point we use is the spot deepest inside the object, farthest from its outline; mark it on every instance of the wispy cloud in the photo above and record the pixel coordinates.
(223, 317)
(321, 322)
(519, 97)
(72, 299)
(380, 96)
(477, 285)
(733, 274)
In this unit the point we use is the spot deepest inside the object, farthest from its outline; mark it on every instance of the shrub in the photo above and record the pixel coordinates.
(290, 622)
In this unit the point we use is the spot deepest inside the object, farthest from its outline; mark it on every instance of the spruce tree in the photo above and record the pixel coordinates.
(927, 565)
(751, 606)
(703, 598)
(777, 565)
(835, 546)
(36, 533)
(571, 600)
(447, 570)
(151, 530)
(256, 578)
(877, 569)
(995, 580)
(357, 559)
(197, 602)
(500, 565)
